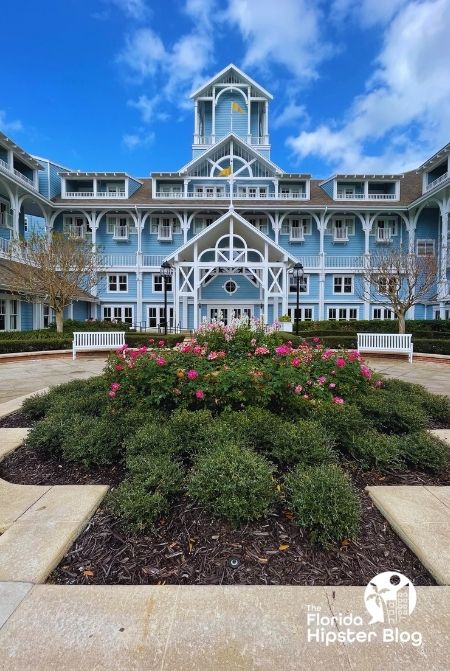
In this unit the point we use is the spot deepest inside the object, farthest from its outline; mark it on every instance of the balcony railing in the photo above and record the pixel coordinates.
(344, 261)
(152, 260)
(383, 235)
(170, 195)
(4, 166)
(296, 235)
(164, 232)
(6, 220)
(108, 260)
(4, 246)
(94, 194)
(369, 196)
(349, 196)
(78, 232)
(437, 181)
(249, 139)
(382, 196)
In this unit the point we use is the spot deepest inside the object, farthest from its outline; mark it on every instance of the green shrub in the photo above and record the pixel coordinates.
(306, 442)
(376, 450)
(37, 406)
(152, 439)
(436, 407)
(194, 431)
(34, 345)
(93, 441)
(49, 433)
(141, 499)
(233, 483)
(341, 422)
(393, 414)
(323, 502)
(424, 450)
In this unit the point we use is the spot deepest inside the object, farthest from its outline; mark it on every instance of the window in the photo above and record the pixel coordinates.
(117, 282)
(303, 284)
(425, 248)
(230, 287)
(260, 223)
(74, 227)
(118, 313)
(383, 313)
(386, 228)
(343, 284)
(342, 314)
(156, 316)
(9, 314)
(304, 314)
(158, 283)
(48, 316)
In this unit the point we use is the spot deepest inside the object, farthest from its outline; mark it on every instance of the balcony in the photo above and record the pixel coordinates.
(120, 232)
(436, 182)
(200, 195)
(117, 260)
(248, 139)
(4, 167)
(77, 232)
(95, 194)
(164, 232)
(152, 260)
(6, 220)
(341, 195)
(340, 234)
(297, 234)
(383, 235)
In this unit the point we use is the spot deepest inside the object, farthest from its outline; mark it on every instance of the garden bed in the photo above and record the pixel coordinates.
(234, 458)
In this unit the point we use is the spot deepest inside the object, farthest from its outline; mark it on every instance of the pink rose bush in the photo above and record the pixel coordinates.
(236, 366)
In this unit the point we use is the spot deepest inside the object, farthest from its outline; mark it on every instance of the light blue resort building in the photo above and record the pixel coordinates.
(230, 221)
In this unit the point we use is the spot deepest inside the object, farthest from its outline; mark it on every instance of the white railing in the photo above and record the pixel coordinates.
(120, 232)
(386, 342)
(77, 231)
(108, 260)
(96, 340)
(4, 246)
(381, 196)
(349, 196)
(170, 195)
(297, 235)
(344, 261)
(291, 195)
(152, 260)
(78, 194)
(13, 171)
(437, 181)
(383, 235)
(310, 261)
(340, 234)
(109, 194)
(164, 232)
(249, 139)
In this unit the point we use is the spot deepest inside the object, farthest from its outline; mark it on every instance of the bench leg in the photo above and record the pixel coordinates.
(74, 354)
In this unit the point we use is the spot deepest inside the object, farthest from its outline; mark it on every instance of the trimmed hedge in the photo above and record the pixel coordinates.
(64, 341)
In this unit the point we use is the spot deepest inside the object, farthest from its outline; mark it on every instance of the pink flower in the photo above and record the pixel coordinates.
(197, 349)
(282, 350)
(151, 341)
(331, 385)
(338, 400)
(296, 362)
(365, 372)
(118, 367)
(112, 394)
(316, 339)
(134, 354)
(122, 348)
(115, 386)
(160, 360)
(192, 374)
(200, 394)
(212, 356)
(354, 355)
(322, 379)
(379, 383)
(340, 362)
(161, 343)
(306, 397)
(260, 351)
(298, 389)
(327, 354)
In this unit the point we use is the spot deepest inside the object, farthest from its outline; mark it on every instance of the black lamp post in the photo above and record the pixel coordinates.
(297, 273)
(166, 272)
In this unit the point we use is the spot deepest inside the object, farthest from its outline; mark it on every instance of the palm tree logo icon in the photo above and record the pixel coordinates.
(390, 598)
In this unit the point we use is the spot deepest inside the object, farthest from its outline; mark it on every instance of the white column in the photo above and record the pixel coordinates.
(213, 120)
(266, 122)
(10, 159)
(285, 299)
(366, 284)
(443, 284)
(196, 282)
(249, 130)
(322, 227)
(196, 138)
(95, 186)
(139, 315)
(366, 190)
(175, 288)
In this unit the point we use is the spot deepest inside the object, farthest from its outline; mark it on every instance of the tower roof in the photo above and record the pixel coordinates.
(235, 76)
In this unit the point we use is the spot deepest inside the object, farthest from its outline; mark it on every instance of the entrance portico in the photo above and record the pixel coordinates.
(230, 266)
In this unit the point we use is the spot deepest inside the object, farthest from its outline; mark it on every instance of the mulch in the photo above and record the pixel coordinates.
(190, 547)
(16, 420)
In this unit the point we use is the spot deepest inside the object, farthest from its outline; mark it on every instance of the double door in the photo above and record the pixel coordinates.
(226, 314)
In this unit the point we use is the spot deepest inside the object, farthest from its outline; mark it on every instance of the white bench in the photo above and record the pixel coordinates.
(392, 343)
(84, 341)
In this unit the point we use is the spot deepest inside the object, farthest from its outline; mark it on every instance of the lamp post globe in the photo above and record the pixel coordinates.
(166, 272)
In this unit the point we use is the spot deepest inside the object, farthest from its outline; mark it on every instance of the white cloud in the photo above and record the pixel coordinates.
(150, 108)
(135, 9)
(406, 102)
(366, 12)
(139, 139)
(290, 114)
(143, 53)
(287, 33)
(7, 126)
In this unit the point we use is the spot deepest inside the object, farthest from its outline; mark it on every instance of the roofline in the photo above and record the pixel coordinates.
(15, 147)
(80, 173)
(225, 139)
(49, 160)
(241, 72)
(445, 148)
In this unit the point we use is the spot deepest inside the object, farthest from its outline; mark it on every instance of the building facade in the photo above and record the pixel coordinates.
(230, 222)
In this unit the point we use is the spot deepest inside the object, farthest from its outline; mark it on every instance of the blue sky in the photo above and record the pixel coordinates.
(358, 85)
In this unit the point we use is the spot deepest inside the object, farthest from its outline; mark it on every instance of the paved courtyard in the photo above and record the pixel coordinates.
(433, 376)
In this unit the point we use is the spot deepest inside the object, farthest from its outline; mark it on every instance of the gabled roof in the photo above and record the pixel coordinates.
(218, 223)
(235, 138)
(21, 153)
(437, 156)
(241, 74)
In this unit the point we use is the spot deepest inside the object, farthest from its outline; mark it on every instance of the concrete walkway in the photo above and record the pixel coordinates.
(10, 439)
(433, 376)
(421, 517)
(178, 628)
(29, 375)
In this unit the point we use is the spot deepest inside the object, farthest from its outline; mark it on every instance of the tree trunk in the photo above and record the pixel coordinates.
(401, 323)
(59, 318)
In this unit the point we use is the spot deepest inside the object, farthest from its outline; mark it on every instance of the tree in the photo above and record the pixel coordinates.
(399, 280)
(55, 269)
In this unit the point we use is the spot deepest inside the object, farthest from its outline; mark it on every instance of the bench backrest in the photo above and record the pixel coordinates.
(388, 341)
(98, 339)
